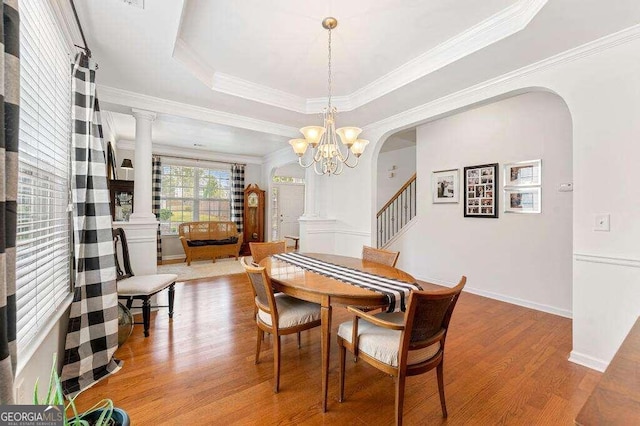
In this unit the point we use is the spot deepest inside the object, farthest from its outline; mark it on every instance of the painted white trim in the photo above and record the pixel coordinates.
(521, 302)
(173, 256)
(482, 91)
(145, 102)
(609, 260)
(497, 27)
(503, 24)
(401, 232)
(352, 232)
(183, 53)
(587, 361)
(173, 151)
(496, 296)
(27, 352)
(245, 89)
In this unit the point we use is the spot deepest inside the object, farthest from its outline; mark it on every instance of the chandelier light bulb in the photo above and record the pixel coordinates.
(358, 147)
(348, 135)
(299, 146)
(313, 134)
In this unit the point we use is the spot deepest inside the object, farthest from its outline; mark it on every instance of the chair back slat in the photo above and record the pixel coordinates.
(120, 242)
(384, 257)
(261, 250)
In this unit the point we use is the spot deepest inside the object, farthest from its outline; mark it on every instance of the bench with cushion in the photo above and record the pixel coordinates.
(208, 240)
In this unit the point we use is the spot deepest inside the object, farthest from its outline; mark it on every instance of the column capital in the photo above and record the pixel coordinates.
(143, 114)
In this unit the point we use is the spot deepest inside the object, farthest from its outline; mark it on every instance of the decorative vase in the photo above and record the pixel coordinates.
(125, 323)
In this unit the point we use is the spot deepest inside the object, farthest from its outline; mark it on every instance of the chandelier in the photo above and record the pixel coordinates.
(327, 156)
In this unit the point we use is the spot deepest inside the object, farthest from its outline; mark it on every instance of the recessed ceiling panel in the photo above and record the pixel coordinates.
(282, 45)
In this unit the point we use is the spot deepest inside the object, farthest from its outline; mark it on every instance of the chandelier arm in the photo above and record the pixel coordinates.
(354, 164)
(305, 166)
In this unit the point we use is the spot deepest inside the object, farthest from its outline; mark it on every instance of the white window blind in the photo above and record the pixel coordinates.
(43, 234)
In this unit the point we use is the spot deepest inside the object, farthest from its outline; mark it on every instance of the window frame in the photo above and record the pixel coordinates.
(167, 227)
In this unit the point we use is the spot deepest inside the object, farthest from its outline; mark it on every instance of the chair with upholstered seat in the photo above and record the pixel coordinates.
(384, 257)
(139, 287)
(278, 315)
(402, 344)
(261, 250)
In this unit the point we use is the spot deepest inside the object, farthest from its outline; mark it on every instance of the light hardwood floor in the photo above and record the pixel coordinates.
(504, 364)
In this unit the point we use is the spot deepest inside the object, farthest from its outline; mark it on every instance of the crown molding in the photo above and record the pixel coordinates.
(497, 27)
(183, 53)
(161, 149)
(150, 103)
(245, 89)
(477, 92)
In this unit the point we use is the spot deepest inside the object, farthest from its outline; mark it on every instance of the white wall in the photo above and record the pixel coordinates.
(600, 83)
(522, 258)
(404, 161)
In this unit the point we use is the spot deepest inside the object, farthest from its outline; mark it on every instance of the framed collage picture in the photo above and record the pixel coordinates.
(480, 191)
(446, 186)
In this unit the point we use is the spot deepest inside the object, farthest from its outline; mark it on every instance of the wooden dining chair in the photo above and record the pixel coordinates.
(139, 287)
(278, 315)
(402, 344)
(385, 257)
(261, 250)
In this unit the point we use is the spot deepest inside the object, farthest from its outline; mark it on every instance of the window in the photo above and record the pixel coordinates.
(43, 231)
(193, 194)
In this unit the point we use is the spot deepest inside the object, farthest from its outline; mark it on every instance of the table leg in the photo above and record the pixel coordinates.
(326, 342)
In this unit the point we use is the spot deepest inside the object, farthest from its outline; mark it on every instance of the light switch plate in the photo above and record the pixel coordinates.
(602, 223)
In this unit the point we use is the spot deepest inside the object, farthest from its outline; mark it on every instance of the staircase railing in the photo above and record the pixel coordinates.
(397, 212)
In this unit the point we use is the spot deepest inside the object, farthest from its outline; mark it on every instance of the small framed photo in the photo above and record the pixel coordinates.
(480, 196)
(523, 173)
(522, 200)
(446, 186)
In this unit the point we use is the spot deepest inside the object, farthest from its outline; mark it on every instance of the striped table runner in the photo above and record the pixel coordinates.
(396, 291)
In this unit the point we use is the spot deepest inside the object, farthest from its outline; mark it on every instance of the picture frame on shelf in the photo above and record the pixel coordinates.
(523, 200)
(445, 186)
(523, 173)
(481, 191)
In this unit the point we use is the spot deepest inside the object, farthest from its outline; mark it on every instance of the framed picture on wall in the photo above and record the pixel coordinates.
(445, 186)
(480, 191)
(522, 200)
(523, 173)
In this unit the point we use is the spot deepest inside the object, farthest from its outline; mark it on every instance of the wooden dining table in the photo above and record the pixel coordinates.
(329, 292)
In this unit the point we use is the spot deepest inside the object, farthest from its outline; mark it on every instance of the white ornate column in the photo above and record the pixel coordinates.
(142, 186)
(141, 229)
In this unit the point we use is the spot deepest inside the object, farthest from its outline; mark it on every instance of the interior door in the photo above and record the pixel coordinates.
(291, 207)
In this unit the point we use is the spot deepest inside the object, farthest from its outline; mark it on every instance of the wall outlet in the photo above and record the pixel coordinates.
(565, 187)
(602, 223)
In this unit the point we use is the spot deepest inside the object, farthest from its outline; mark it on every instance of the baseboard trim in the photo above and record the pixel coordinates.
(508, 299)
(587, 361)
(173, 257)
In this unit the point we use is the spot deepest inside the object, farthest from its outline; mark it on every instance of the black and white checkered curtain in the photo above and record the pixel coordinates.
(237, 195)
(10, 116)
(157, 188)
(92, 334)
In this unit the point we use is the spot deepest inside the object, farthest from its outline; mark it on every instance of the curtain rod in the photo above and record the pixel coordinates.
(84, 40)
(201, 160)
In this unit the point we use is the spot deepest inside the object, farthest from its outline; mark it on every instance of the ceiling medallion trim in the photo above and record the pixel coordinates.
(497, 27)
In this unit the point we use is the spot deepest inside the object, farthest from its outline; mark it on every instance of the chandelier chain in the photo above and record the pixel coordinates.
(329, 78)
